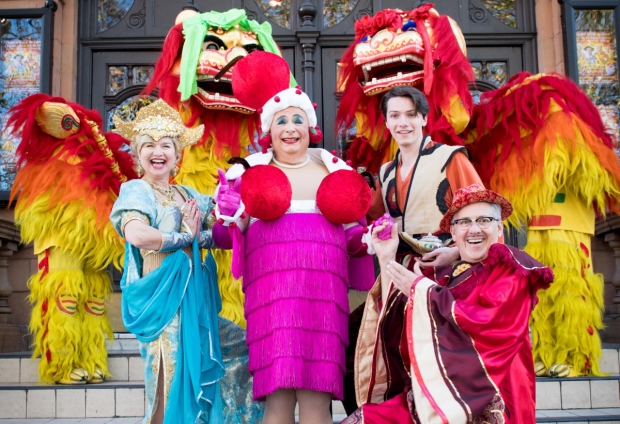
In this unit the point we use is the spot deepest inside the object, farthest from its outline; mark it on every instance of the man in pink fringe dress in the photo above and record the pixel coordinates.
(294, 226)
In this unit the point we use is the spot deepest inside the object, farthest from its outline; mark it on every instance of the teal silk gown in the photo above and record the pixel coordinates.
(171, 301)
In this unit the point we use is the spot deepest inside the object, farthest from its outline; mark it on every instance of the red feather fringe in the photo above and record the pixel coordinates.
(526, 107)
(171, 51)
(37, 147)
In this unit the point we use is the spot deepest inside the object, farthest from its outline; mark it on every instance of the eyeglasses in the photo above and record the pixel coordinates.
(483, 222)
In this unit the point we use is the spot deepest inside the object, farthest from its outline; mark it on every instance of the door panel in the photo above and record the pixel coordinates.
(512, 55)
(330, 99)
(102, 99)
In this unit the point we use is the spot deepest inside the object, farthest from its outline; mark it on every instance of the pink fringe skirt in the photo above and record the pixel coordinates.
(296, 304)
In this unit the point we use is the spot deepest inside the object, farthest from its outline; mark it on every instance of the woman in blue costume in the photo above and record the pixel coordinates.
(170, 297)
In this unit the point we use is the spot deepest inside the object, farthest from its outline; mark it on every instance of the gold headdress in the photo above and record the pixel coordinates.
(159, 120)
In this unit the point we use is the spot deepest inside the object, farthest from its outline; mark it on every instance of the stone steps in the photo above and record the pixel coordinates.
(602, 415)
(581, 399)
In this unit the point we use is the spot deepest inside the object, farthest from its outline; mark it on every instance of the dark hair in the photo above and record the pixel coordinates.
(417, 97)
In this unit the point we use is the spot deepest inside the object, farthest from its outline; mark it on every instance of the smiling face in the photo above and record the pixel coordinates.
(290, 135)
(157, 158)
(474, 242)
(404, 121)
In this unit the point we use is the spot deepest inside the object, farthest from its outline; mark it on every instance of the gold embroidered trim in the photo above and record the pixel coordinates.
(153, 259)
(460, 268)
(131, 216)
(164, 201)
(441, 363)
(460, 282)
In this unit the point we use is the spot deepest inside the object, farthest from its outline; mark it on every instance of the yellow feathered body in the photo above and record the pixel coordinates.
(65, 188)
(553, 160)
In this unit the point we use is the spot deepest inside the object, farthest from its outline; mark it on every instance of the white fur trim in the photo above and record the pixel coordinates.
(287, 98)
(237, 169)
(230, 219)
(328, 160)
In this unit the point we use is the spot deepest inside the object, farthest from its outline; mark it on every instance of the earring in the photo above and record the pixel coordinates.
(175, 170)
(139, 170)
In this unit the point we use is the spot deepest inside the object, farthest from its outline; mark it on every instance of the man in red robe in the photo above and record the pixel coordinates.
(466, 338)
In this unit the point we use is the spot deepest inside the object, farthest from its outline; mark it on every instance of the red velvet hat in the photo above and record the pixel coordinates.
(474, 193)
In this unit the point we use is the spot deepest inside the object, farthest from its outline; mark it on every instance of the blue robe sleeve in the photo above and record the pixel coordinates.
(135, 200)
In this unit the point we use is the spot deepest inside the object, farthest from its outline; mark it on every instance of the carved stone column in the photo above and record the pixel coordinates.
(307, 37)
(9, 242)
(308, 64)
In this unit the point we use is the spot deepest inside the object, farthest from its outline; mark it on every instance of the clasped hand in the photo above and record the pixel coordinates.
(191, 216)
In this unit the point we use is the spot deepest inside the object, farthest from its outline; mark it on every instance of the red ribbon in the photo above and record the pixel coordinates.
(238, 251)
(45, 264)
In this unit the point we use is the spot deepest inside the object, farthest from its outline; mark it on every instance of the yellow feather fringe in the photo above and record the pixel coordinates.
(71, 228)
(571, 308)
(568, 162)
(199, 171)
(73, 340)
(95, 328)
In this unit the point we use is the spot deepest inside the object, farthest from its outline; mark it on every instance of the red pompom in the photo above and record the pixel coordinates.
(276, 99)
(264, 141)
(298, 87)
(266, 192)
(232, 225)
(365, 230)
(316, 135)
(364, 246)
(213, 212)
(298, 92)
(243, 215)
(259, 110)
(220, 221)
(343, 197)
(333, 152)
(335, 160)
(315, 105)
(349, 162)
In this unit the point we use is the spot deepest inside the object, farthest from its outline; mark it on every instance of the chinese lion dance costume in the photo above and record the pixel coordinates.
(194, 75)
(539, 141)
(69, 176)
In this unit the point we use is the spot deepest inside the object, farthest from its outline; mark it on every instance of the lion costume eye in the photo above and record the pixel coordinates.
(213, 43)
(250, 48)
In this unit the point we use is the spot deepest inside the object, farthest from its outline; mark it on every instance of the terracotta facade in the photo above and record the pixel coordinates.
(22, 263)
